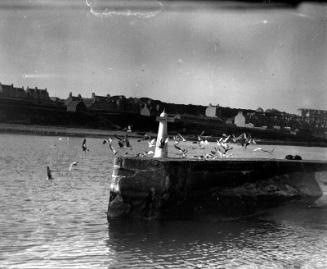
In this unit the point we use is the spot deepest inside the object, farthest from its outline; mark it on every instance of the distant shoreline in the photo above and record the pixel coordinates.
(46, 130)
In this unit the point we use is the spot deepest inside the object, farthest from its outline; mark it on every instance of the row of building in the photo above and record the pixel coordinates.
(32, 94)
(259, 118)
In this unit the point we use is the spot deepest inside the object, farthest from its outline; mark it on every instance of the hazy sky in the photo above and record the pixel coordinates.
(190, 53)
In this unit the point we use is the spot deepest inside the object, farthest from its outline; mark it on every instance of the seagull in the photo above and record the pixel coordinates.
(49, 175)
(128, 129)
(178, 138)
(209, 156)
(240, 139)
(202, 140)
(200, 157)
(181, 137)
(123, 141)
(244, 140)
(264, 150)
(202, 143)
(120, 141)
(213, 153)
(145, 137)
(109, 142)
(224, 139)
(127, 143)
(223, 146)
(84, 147)
(145, 153)
(105, 141)
(200, 136)
(163, 143)
(181, 151)
(222, 152)
(249, 140)
(152, 143)
(71, 165)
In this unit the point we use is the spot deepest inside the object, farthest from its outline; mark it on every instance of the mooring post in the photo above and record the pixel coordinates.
(161, 150)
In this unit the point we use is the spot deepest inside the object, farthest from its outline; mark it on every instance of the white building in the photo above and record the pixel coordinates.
(239, 120)
(212, 111)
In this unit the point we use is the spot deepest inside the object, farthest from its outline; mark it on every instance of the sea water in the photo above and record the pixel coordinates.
(61, 223)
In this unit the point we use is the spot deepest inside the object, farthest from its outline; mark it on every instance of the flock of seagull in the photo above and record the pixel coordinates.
(222, 148)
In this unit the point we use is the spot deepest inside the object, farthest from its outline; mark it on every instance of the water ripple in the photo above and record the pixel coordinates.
(62, 224)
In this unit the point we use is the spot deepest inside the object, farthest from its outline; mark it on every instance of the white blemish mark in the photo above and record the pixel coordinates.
(302, 15)
(116, 8)
(41, 76)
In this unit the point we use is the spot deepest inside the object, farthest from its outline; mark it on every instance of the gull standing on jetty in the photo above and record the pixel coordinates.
(264, 150)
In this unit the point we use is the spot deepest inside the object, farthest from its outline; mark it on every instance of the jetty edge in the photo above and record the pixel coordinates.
(172, 187)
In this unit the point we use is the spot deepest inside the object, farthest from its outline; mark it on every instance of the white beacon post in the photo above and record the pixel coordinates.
(161, 150)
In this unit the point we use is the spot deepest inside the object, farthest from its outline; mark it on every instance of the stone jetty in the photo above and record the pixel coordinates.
(171, 187)
(162, 187)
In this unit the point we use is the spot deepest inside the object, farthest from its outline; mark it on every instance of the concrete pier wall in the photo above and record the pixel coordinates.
(172, 187)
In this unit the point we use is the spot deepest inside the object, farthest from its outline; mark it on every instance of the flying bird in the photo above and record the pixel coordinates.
(181, 150)
(84, 147)
(152, 143)
(49, 175)
(181, 137)
(200, 136)
(201, 140)
(223, 146)
(224, 139)
(244, 140)
(123, 141)
(109, 142)
(72, 164)
(178, 138)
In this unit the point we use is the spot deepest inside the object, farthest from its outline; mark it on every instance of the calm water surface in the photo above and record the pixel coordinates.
(62, 223)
